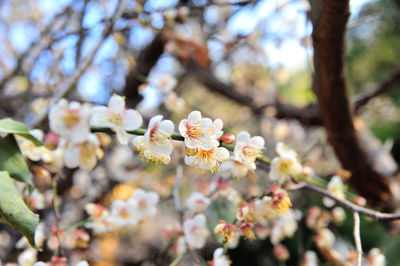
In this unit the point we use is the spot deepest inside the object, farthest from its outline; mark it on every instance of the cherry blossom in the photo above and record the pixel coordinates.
(375, 258)
(156, 144)
(195, 231)
(197, 132)
(33, 152)
(336, 187)
(146, 203)
(173, 103)
(164, 82)
(310, 259)
(116, 117)
(123, 213)
(197, 202)
(325, 238)
(70, 120)
(207, 159)
(83, 154)
(286, 165)
(219, 259)
(246, 150)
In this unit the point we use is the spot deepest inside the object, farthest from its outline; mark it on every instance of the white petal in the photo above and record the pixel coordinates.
(132, 120)
(221, 154)
(116, 104)
(206, 123)
(167, 126)
(182, 127)
(257, 141)
(71, 156)
(243, 136)
(154, 120)
(122, 136)
(100, 117)
(137, 141)
(190, 160)
(194, 116)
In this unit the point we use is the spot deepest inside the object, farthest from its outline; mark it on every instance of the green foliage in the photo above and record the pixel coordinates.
(14, 210)
(220, 209)
(12, 161)
(8, 125)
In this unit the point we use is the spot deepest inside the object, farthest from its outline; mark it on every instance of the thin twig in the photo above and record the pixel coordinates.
(357, 238)
(175, 191)
(350, 205)
(264, 162)
(69, 84)
(178, 207)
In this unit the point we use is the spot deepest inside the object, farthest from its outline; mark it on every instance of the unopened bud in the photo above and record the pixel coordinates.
(51, 141)
(338, 214)
(281, 253)
(361, 201)
(228, 138)
(42, 175)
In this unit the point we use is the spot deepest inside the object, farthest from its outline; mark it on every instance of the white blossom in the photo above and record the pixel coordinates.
(285, 165)
(70, 120)
(195, 231)
(197, 132)
(156, 144)
(116, 117)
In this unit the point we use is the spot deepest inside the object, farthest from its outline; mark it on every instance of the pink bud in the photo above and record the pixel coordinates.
(281, 253)
(51, 141)
(361, 201)
(228, 138)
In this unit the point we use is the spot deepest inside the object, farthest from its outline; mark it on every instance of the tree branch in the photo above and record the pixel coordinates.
(146, 60)
(329, 22)
(363, 99)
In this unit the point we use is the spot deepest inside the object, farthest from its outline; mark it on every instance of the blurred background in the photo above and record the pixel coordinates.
(249, 63)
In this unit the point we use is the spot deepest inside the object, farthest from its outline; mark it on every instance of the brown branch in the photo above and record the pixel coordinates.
(307, 115)
(146, 60)
(363, 99)
(350, 205)
(329, 22)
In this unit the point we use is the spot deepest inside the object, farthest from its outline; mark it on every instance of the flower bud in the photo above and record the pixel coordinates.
(338, 214)
(228, 138)
(361, 201)
(281, 253)
(51, 141)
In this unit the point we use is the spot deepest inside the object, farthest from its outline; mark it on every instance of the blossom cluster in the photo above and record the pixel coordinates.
(122, 213)
(269, 215)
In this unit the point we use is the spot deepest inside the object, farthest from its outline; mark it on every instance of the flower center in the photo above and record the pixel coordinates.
(116, 118)
(250, 151)
(124, 214)
(71, 117)
(194, 131)
(208, 158)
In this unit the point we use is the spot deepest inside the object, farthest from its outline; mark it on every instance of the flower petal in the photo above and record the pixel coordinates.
(116, 104)
(132, 120)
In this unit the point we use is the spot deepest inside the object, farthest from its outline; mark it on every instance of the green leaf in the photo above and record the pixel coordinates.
(12, 161)
(14, 210)
(220, 209)
(8, 125)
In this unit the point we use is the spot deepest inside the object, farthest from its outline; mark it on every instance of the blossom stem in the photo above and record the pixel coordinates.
(178, 259)
(357, 238)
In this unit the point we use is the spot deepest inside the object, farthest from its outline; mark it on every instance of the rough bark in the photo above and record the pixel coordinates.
(329, 27)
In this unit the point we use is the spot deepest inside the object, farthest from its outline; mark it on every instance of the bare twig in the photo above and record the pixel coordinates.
(357, 238)
(363, 99)
(69, 84)
(350, 205)
(175, 191)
